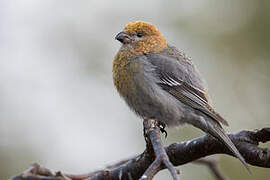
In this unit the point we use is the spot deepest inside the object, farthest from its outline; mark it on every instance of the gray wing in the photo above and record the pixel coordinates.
(178, 76)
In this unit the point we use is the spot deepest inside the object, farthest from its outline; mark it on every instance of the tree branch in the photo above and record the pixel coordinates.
(246, 142)
(212, 164)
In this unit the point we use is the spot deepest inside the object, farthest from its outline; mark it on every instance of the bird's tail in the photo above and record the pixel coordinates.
(214, 128)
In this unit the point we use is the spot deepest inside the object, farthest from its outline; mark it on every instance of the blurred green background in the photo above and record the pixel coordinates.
(58, 105)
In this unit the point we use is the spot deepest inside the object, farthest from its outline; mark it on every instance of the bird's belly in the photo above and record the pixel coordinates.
(150, 103)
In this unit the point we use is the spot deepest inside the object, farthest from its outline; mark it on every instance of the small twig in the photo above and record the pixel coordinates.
(91, 174)
(133, 168)
(152, 134)
(212, 164)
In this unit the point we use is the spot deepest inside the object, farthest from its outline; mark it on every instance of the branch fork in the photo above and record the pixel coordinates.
(145, 164)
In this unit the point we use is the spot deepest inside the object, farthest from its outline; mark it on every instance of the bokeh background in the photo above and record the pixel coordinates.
(58, 106)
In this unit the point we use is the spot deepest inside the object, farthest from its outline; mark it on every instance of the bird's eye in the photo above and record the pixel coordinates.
(139, 34)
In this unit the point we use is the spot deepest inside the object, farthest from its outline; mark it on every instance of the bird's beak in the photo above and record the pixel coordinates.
(123, 37)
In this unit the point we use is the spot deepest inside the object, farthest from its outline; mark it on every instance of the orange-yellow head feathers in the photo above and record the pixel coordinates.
(141, 38)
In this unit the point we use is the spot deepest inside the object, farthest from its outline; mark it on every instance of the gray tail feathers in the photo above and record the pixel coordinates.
(215, 129)
(212, 127)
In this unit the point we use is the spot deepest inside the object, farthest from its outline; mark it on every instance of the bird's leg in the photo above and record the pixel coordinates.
(153, 140)
(162, 127)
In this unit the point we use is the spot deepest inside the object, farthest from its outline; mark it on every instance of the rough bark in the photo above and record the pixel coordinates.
(246, 141)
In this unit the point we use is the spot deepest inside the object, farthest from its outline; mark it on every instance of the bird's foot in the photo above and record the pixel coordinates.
(152, 134)
(162, 127)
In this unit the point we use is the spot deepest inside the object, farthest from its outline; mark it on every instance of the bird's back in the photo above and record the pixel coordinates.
(184, 68)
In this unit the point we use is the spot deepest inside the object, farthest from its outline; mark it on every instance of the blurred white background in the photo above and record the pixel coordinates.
(58, 106)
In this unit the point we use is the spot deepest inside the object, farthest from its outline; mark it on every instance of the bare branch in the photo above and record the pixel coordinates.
(153, 140)
(246, 141)
(212, 164)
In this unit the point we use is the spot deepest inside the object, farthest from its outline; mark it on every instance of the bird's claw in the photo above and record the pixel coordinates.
(162, 127)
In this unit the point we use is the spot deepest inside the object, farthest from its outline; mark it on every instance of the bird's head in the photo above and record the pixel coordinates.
(141, 38)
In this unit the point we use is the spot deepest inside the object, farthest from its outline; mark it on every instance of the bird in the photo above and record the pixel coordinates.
(158, 81)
